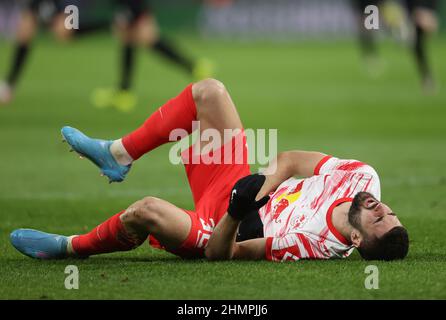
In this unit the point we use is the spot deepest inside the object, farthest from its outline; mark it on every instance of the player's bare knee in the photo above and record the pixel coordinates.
(26, 28)
(143, 212)
(146, 31)
(149, 211)
(208, 90)
(426, 20)
(137, 218)
(60, 32)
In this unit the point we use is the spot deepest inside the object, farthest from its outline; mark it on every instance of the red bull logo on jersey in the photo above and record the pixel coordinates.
(282, 201)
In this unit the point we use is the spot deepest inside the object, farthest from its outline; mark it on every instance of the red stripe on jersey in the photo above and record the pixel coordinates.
(345, 177)
(307, 245)
(285, 226)
(368, 184)
(316, 202)
(357, 182)
(268, 248)
(351, 166)
(268, 206)
(323, 235)
(347, 192)
(330, 225)
(289, 253)
(298, 187)
(320, 164)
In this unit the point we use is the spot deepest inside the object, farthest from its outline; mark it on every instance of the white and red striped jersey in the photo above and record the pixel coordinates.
(297, 219)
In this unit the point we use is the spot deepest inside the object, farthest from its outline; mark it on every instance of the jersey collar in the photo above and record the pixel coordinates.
(330, 225)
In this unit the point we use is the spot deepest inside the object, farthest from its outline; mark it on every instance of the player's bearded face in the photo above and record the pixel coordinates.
(354, 214)
(370, 216)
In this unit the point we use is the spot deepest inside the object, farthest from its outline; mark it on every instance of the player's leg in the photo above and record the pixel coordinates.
(422, 14)
(137, 26)
(58, 23)
(366, 38)
(127, 62)
(207, 101)
(169, 224)
(150, 37)
(58, 28)
(26, 30)
(147, 34)
(121, 97)
(114, 158)
(215, 108)
(122, 232)
(211, 184)
(131, 32)
(130, 228)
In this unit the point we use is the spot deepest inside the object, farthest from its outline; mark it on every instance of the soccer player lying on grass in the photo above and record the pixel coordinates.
(334, 208)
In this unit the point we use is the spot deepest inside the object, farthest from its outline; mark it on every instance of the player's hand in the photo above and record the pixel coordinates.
(243, 196)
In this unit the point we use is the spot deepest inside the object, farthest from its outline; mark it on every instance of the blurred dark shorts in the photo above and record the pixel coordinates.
(410, 4)
(428, 4)
(34, 5)
(134, 8)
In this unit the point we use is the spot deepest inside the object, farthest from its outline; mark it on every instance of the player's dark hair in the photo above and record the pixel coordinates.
(393, 245)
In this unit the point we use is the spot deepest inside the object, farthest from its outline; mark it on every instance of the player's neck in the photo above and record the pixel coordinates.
(340, 220)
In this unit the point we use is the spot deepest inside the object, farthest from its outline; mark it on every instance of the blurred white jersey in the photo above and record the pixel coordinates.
(297, 219)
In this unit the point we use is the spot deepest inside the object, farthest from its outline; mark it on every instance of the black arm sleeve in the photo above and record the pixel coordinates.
(250, 228)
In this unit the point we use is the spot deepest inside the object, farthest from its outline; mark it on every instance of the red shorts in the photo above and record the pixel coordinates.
(211, 185)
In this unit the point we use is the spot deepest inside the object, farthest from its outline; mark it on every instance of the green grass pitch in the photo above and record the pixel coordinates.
(316, 94)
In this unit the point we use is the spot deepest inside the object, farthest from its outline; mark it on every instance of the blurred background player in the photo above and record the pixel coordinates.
(411, 21)
(366, 37)
(136, 25)
(27, 27)
(423, 16)
(26, 30)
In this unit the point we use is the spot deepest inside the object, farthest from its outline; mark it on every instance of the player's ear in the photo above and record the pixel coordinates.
(356, 238)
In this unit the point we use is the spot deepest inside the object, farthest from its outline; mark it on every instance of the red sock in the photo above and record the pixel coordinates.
(109, 236)
(178, 112)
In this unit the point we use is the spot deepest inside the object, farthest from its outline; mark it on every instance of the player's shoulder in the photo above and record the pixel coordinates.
(347, 165)
(357, 165)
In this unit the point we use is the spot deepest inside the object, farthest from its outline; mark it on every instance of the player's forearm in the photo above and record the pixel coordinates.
(279, 170)
(222, 241)
(303, 163)
(295, 163)
(253, 249)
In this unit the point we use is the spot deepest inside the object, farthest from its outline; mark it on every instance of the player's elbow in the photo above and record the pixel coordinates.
(300, 163)
(283, 156)
(286, 160)
(210, 254)
(213, 254)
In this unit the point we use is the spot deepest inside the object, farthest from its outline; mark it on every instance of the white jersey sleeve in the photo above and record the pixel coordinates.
(295, 246)
(329, 165)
